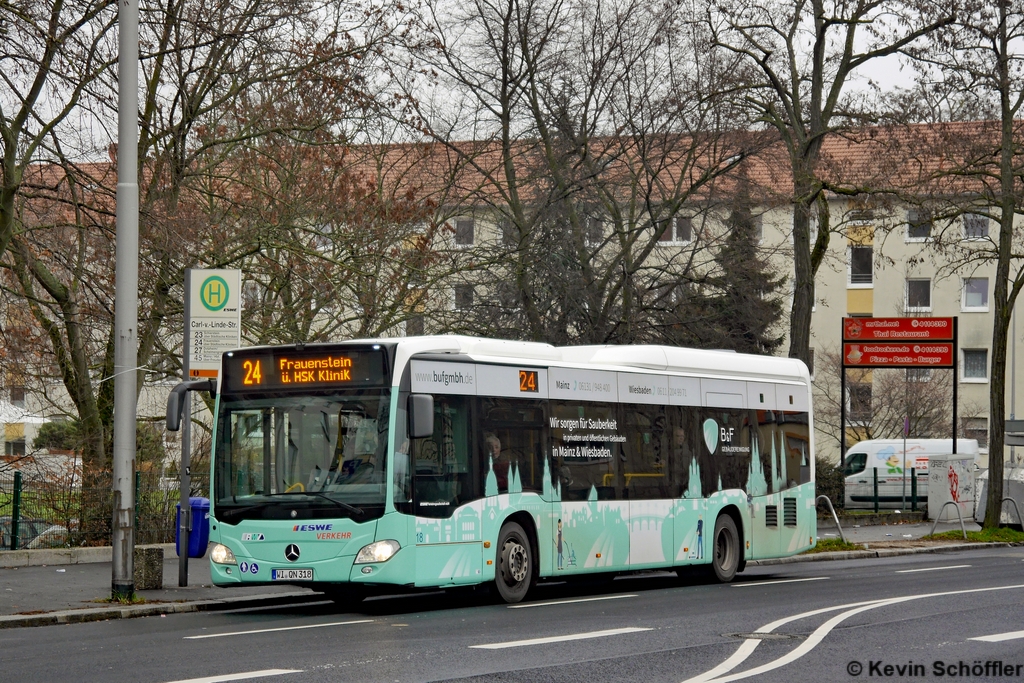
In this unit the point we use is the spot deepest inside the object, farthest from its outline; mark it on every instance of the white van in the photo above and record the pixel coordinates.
(893, 464)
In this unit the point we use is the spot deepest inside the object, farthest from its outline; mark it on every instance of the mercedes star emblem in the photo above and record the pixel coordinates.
(291, 553)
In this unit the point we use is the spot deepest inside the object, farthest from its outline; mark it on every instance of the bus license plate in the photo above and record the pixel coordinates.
(291, 574)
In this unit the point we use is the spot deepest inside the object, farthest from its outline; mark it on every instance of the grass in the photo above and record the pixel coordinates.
(135, 599)
(829, 545)
(1001, 535)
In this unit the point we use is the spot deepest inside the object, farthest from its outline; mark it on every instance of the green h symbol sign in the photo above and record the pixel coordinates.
(214, 293)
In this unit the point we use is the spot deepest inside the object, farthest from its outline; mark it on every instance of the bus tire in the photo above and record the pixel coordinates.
(725, 553)
(513, 575)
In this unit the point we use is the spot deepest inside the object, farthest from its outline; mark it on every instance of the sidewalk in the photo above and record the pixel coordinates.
(69, 593)
(42, 595)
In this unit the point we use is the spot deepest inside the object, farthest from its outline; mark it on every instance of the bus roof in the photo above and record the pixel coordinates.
(667, 359)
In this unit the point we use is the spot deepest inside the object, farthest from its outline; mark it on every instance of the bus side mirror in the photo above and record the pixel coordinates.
(421, 416)
(176, 399)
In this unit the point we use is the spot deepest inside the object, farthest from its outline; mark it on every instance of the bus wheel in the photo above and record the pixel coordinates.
(514, 574)
(726, 558)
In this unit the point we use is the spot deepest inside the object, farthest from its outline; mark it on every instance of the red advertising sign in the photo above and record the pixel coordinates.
(898, 355)
(897, 329)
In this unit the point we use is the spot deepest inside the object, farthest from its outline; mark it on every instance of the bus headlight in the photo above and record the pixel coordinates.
(381, 551)
(221, 554)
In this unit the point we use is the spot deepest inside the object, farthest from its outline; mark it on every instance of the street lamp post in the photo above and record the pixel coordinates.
(126, 301)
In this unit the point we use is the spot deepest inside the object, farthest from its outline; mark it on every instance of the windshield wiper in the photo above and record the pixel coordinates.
(356, 512)
(351, 509)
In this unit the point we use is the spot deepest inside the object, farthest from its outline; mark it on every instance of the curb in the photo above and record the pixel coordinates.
(81, 616)
(881, 552)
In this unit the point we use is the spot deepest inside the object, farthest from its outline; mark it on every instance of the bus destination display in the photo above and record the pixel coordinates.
(306, 369)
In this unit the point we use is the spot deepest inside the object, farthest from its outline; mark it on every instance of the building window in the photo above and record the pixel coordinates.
(975, 295)
(464, 231)
(759, 228)
(676, 230)
(975, 364)
(463, 297)
(684, 229)
(919, 295)
(509, 234)
(919, 225)
(919, 374)
(18, 396)
(977, 428)
(975, 227)
(861, 265)
(860, 402)
(14, 448)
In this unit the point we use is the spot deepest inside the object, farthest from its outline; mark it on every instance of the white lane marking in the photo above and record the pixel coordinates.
(244, 676)
(282, 628)
(567, 602)
(1000, 637)
(817, 636)
(770, 583)
(559, 639)
(932, 569)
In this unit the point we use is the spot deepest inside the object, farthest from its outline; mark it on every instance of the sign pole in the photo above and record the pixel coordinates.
(956, 377)
(184, 469)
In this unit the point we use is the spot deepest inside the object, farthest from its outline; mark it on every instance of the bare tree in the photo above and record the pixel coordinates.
(975, 68)
(599, 131)
(799, 58)
(216, 76)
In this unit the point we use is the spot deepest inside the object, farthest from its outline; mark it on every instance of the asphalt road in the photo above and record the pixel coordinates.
(817, 621)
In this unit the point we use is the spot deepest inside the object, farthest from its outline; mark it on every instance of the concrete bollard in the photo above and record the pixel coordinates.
(149, 567)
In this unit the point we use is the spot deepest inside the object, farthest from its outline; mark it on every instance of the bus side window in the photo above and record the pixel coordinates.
(441, 461)
(855, 463)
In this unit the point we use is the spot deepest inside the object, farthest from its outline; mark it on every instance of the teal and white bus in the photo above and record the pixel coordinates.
(446, 461)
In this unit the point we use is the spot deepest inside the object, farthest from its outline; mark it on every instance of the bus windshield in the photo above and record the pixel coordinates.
(291, 456)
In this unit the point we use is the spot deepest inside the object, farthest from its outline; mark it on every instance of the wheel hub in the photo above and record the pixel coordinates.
(514, 562)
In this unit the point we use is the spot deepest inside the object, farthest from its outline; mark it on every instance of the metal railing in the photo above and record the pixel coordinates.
(956, 505)
(835, 517)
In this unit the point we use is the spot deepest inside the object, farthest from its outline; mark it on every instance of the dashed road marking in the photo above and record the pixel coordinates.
(772, 583)
(559, 639)
(568, 602)
(243, 676)
(274, 630)
(1000, 637)
(932, 569)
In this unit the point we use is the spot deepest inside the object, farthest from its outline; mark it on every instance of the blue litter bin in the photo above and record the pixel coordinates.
(199, 536)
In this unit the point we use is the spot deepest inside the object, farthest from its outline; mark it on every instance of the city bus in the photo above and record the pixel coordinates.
(444, 461)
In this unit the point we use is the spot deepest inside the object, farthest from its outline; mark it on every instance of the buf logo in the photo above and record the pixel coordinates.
(711, 435)
(291, 553)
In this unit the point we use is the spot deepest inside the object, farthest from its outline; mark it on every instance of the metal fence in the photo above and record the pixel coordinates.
(40, 511)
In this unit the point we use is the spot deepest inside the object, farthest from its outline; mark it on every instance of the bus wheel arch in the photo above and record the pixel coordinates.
(727, 544)
(516, 557)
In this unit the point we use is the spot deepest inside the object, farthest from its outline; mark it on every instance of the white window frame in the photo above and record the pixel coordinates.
(963, 367)
(673, 232)
(850, 284)
(906, 233)
(906, 295)
(455, 297)
(988, 228)
(963, 297)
